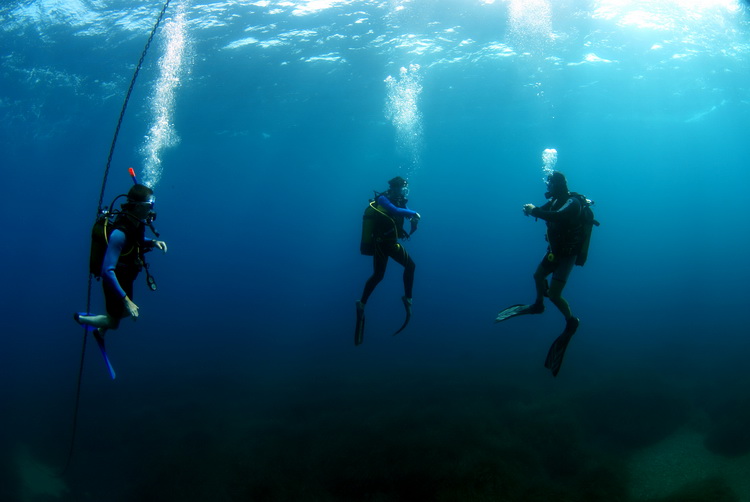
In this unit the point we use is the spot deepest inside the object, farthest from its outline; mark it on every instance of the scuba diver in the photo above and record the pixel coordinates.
(382, 226)
(569, 221)
(117, 257)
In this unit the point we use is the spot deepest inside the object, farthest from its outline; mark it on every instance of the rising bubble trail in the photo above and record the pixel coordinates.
(402, 109)
(549, 160)
(161, 134)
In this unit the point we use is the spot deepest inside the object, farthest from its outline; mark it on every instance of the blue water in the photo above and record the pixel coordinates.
(264, 128)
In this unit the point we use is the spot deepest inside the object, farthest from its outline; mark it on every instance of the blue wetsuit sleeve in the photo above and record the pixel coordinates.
(111, 257)
(394, 210)
(567, 213)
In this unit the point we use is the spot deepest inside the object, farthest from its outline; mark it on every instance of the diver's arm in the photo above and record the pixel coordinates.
(395, 210)
(114, 248)
(568, 212)
(528, 208)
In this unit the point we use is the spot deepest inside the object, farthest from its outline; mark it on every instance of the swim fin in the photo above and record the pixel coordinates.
(519, 309)
(359, 329)
(557, 350)
(407, 306)
(100, 342)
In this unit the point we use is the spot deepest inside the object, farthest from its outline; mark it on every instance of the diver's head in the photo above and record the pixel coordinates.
(398, 188)
(140, 203)
(557, 185)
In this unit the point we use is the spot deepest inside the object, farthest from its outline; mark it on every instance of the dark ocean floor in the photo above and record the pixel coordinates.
(437, 434)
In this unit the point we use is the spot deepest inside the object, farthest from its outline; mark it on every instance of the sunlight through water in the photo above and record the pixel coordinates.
(530, 23)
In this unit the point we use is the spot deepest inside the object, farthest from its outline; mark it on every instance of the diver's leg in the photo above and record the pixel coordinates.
(559, 280)
(114, 303)
(401, 256)
(540, 281)
(379, 263)
(97, 321)
(555, 296)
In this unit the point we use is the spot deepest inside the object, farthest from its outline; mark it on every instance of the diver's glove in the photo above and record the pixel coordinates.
(414, 223)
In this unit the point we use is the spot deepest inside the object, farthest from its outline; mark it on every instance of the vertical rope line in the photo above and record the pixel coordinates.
(125, 104)
(74, 426)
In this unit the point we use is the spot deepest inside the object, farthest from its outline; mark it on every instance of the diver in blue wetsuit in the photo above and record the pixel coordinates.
(382, 226)
(125, 243)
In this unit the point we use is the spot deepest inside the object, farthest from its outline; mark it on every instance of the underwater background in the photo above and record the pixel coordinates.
(264, 127)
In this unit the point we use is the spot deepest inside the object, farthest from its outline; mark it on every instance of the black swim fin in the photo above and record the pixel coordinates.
(407, 306)
(557, 350)
(359, 329)
(520, 309)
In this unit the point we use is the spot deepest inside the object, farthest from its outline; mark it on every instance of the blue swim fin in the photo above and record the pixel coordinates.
(100, 342)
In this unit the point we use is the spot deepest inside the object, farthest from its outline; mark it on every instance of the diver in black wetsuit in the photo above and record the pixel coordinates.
(566, 235)
(383, 225)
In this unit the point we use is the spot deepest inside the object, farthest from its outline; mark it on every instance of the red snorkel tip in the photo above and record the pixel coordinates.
(132, 174)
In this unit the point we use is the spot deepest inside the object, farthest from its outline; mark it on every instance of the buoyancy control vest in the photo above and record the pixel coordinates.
(378, 226)
(131, 256)
(573, 237)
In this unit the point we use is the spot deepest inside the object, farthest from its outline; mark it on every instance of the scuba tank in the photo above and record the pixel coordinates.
(588, 222)
(377, 224)
(103, 226)
(367, 243)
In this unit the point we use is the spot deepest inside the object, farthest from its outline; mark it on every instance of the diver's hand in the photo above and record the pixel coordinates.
(131, 307)
(416, 218)
(528, 208)
(161, 245)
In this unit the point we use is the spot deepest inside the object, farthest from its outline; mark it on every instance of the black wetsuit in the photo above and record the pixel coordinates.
(564, 228)
(564, 235)
(123, 262)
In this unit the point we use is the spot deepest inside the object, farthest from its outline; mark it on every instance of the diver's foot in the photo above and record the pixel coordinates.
(81, 318)
(407, 304)
(571, 325)
(99, 333)
(359, 329)
(536, 308)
